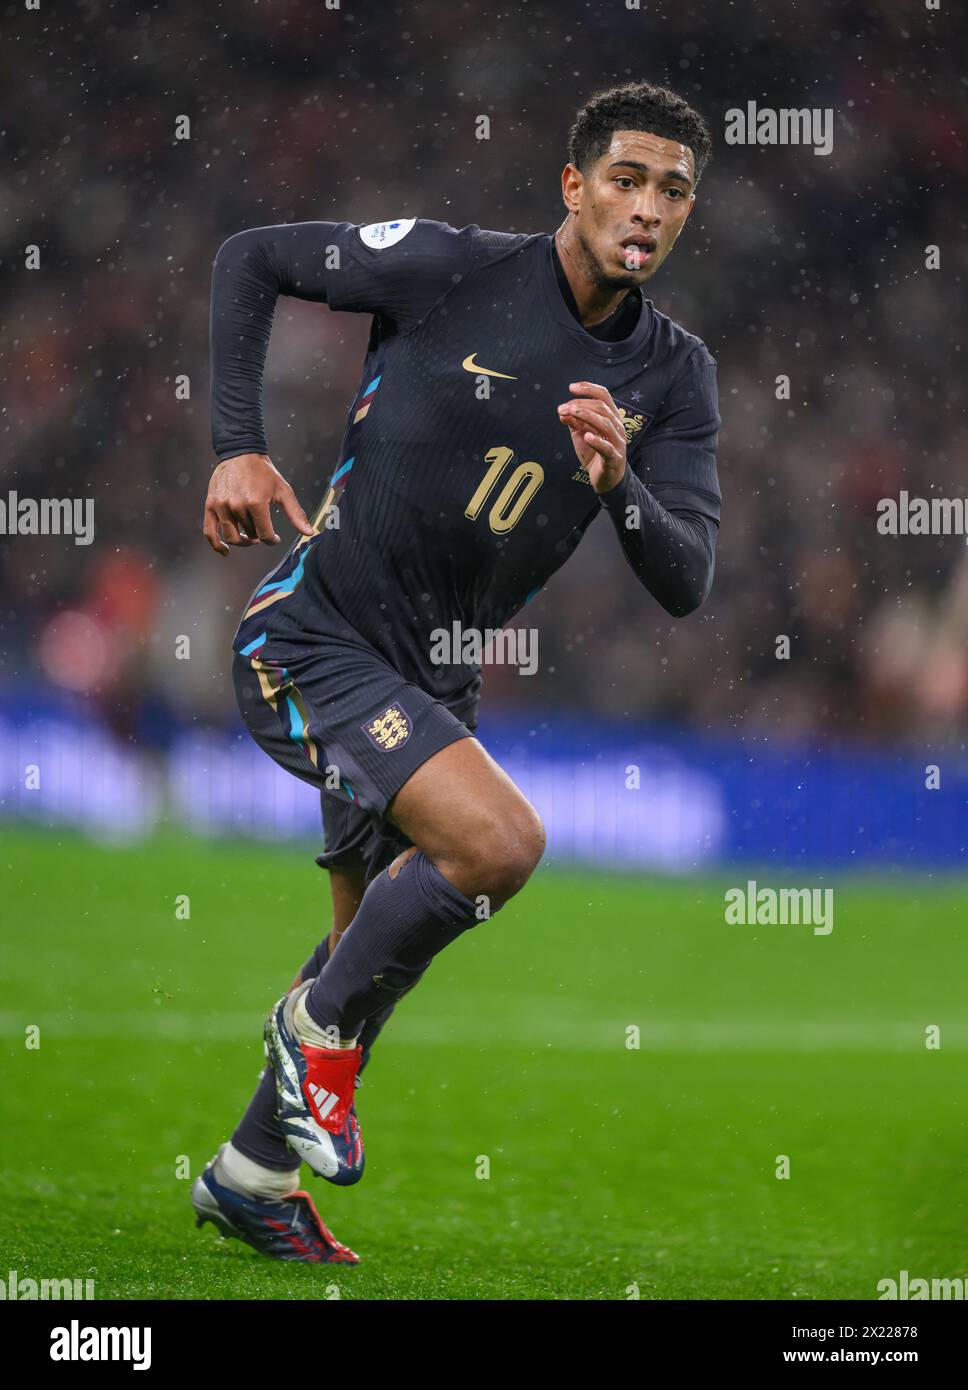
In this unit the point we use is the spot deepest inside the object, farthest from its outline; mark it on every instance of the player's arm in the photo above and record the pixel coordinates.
(668, 527)
(398, 271)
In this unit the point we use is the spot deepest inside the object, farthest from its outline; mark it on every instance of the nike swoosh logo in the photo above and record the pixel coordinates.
(470, 365)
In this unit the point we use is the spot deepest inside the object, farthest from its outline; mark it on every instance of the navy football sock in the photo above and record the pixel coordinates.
(258, 1135)
(400, 925)
(373, 1026)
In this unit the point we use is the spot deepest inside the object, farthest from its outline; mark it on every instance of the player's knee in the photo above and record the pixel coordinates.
(507, 852)
(523, 855)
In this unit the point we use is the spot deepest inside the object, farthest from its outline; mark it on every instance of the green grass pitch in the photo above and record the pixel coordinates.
(609, 1166)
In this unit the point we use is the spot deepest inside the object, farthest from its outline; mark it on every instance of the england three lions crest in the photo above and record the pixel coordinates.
(633, 420)
(388, 730)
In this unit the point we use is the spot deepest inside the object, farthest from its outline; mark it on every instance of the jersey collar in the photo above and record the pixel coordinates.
(618, 351)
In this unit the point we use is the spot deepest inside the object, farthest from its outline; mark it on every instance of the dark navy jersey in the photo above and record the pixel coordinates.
(457, 492)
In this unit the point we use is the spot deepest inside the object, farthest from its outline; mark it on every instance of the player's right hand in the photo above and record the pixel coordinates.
(240, 493)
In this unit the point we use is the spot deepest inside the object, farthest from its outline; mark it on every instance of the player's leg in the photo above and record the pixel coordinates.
(369, 844)
(258, 1158)
(376, 1023)
(381, 852)
(343, 719)
(348, 890)
(477, 838)
(250, 1189)
(347, 887)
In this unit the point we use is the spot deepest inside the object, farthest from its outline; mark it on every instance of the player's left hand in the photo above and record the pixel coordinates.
(597, 433)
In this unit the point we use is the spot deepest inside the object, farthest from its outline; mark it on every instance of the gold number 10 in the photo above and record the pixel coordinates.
(514, 496)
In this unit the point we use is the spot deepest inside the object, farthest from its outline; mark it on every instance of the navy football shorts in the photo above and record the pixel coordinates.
(341, 718)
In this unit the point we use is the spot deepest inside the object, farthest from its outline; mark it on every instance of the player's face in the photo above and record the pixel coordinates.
(631, 205)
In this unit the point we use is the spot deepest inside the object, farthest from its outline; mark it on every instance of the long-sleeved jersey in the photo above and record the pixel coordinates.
(457, 492)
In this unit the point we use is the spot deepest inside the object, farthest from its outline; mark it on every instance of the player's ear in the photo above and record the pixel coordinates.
(571, 184)
(692, 204)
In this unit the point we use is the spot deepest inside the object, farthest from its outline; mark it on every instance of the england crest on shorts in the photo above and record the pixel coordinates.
(389, 729)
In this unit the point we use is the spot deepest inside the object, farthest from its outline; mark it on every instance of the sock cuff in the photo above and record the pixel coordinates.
(438, 895)
(308, 1029)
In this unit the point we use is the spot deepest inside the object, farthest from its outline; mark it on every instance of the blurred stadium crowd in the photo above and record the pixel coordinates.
(792, 264)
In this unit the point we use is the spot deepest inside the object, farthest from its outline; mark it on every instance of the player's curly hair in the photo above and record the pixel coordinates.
(636, 106)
